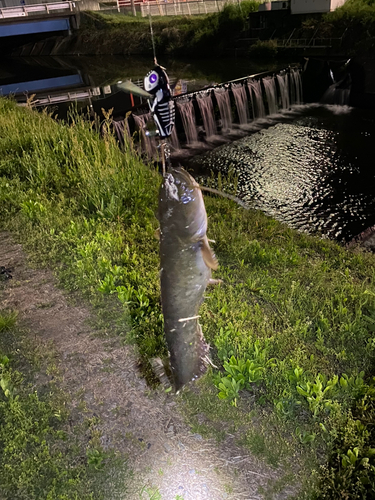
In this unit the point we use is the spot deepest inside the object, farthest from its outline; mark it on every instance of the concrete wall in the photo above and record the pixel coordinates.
(311, 6)
(336, 3)
(275, 5)
(88, 5)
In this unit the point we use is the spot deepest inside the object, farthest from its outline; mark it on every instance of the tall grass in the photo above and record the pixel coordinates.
(355, 22)
(7, 320)
(65, 160)
(354, 11)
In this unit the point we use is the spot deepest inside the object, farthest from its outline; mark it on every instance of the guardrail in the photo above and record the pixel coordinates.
(175, 7)
(78, 95)
(310, 42)
(186, 8)
(26, 10)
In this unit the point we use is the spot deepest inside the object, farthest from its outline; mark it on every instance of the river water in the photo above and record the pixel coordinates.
(311, 167)
(308, 165)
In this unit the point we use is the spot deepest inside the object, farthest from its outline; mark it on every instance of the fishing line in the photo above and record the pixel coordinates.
(225, 195)
(152, 34)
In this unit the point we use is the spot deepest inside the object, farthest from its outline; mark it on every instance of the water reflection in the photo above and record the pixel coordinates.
(314, 173)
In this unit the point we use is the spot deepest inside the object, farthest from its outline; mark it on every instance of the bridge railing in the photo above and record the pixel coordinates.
(175, 7)
(26, 10)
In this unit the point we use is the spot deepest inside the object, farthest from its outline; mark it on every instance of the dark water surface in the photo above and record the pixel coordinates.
(313, 168)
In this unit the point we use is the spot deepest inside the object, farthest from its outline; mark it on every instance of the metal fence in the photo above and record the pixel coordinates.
(310, 42)
(175, 7)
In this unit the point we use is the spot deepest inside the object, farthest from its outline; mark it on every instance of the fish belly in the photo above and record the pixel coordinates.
(184, 277)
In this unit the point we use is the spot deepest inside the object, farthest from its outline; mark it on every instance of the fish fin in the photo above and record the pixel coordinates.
(208, 255)
(157, 233)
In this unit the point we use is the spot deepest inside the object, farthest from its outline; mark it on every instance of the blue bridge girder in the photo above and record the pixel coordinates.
(37, 19)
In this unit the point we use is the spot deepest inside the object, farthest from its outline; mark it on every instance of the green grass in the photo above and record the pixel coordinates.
(353, 11)
(213, 33)
(291, 327)
(41, 455)
(7, 320)
(353, 22)
(172, 34)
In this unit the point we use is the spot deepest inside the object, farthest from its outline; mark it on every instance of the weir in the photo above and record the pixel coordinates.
(295, 86)
(211, 113)
(147, 144)
(283, 82)
(242, 102)
(270, 89)
(187, 114)
(223, 102)
(255, 90)
(207, 113)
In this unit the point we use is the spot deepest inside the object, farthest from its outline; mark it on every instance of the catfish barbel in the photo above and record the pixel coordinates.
(186, 261)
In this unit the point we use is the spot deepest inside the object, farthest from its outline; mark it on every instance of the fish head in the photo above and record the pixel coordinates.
(181, 207)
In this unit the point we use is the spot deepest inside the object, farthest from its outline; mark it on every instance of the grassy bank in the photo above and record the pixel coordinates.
(354, 22)
(177, 35)
(291, 327)
(211, 34)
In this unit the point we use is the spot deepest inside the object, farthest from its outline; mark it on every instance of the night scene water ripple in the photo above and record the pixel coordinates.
(315, 174)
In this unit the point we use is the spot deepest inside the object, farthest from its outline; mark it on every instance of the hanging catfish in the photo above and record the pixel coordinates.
(186, 262)
(186, 259)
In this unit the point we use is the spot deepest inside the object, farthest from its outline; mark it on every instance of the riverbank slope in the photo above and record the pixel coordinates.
(291, 326)
(209, 35)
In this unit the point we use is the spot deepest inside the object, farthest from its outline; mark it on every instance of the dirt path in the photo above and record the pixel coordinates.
(142, 424)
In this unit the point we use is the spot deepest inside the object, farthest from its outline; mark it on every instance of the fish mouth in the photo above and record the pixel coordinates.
(183, 177)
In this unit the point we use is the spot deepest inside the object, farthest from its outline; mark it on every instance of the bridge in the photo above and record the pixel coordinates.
(32, 22)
